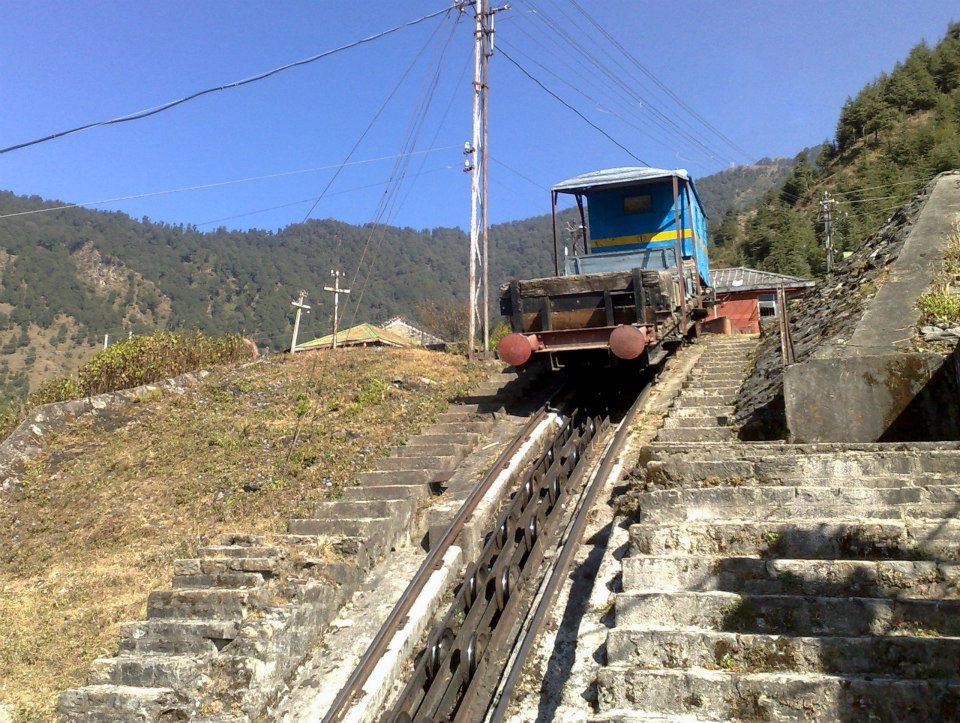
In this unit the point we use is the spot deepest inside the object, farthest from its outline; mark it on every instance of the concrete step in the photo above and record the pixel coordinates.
(122, 704)
(471, 424)
(149, 670)
(362, 509)
(698, 392)
(476, 405)
(783, 503)
(722, 385)
(857, 578)
(809, 539)
(906, 656)
(456, 413)
(778, 696)
(386, 492)
(688, 421)
(227, 580)
(634, 716)
(355, 527)
(688, 399)
(789, 614)
(377, 478)
(241, 551)
(696, 434)
(718, 411)
(457, 451)
(177, 637)
(227, 605)
(794, 480)
(417, 463)
(467, 439)
(760, 461)
(225, 565)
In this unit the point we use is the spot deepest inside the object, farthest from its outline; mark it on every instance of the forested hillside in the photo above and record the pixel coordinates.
(891, 139)
(741, 186)
(68, 277)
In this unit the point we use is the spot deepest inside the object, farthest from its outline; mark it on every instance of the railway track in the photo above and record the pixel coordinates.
(474, 651)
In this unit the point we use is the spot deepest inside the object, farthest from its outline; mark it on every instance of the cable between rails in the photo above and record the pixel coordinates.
(574, 533)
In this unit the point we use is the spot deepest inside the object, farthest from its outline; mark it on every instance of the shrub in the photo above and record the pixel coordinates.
(143, 360)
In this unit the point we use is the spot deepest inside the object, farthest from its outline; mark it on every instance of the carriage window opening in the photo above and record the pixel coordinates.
(768, 305)
(636, 204)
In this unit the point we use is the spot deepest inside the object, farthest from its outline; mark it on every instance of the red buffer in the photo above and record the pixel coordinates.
(628, 342)
(515, 349)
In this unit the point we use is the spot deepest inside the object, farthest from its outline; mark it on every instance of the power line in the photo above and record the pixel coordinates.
(570, 107)
(217, 184)
(885, 185)
(312, 199)
(603, 70)
(236, 84)
(370, 125)
(515, 172)
(666, 89)
(578, 90)
(388, 205)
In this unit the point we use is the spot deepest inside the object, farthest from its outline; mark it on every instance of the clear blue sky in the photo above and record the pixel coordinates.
(770, 75)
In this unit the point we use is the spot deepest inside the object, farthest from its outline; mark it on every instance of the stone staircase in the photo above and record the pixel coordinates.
(703, 411)
(770, 582)
(240, 616)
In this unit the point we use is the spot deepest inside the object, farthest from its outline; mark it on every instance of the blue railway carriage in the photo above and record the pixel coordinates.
(631, 279)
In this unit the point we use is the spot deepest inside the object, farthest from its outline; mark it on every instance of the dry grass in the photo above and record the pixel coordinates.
(111, 502)
(942, 302)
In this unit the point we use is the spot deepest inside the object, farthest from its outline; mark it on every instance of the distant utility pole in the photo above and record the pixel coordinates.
(476, 164)
(826, 217)
(296, 322)
(337, 275)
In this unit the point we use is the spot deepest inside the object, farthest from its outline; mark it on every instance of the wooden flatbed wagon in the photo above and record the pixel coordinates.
(621, 293)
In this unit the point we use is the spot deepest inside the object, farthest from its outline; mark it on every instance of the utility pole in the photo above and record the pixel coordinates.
(106, 340)
(475, 163)
(337, 275)
(296, 322)
(826, 217)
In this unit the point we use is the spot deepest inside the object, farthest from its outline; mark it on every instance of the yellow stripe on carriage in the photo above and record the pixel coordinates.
(641, 238)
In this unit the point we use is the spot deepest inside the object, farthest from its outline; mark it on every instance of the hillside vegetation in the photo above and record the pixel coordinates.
(110, 502)
(69, 276)
(898, 132)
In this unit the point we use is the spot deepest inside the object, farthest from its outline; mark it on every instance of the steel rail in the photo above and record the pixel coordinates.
(433, 562)
(561, 568)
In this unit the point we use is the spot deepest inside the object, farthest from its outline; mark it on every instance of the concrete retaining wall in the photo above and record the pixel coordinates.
(871, 386)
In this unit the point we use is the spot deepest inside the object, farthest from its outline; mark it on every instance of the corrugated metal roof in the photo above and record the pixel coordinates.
(616, 177)
(357, 336)
(741, 278)
(406, 328)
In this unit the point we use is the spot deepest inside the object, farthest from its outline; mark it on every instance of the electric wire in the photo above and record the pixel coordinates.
(572, 108)
(235, 84)
(665, 88)
(616, 95)
(603, 68)
(389, 198)
(515, 172)
(600, 105)
(218, 184)
(342, 192)
(376, 116)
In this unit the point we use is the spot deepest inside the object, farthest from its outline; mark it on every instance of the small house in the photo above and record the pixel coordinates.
(413, 333)
(748, 296)
(359, 335)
